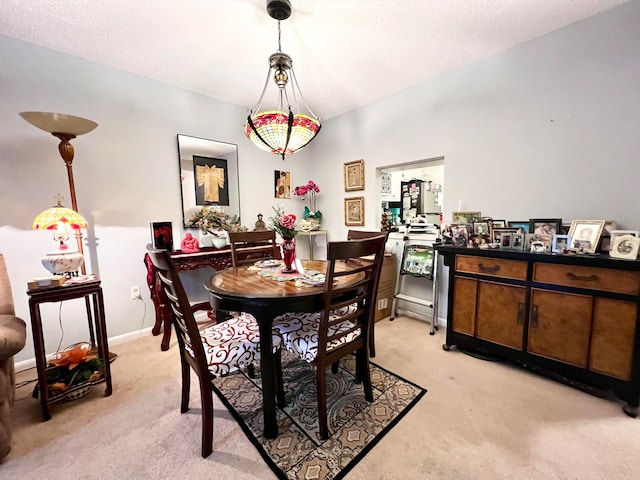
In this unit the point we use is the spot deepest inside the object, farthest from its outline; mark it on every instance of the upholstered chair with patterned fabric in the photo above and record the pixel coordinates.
(219, 349)
(323, 338)
(13, 336)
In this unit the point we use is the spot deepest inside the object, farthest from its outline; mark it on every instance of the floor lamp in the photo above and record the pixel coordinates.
(65, 128)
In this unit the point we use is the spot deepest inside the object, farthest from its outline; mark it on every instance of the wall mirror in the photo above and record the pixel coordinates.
(208, 176)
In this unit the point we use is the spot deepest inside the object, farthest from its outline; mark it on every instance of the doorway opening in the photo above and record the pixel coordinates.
(411, 193)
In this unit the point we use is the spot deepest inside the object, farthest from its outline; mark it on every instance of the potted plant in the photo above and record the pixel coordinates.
(77, 365)
(312, 216)
(213, 221)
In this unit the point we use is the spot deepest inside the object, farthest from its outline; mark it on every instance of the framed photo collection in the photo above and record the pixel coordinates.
(542, 235)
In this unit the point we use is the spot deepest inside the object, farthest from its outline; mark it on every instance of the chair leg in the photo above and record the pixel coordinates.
(279, 380)
(334, 367)
(321, 387)
(372, 339)
(251, 371)
(362, 372)
(186, 386)
(206, 400)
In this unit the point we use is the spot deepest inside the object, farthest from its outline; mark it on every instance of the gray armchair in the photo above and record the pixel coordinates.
(12, 339)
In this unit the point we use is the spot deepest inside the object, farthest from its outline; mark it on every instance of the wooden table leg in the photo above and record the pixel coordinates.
(41, 361)
(268, 377)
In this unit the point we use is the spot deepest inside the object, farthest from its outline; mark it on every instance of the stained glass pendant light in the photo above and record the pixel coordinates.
(283, 130)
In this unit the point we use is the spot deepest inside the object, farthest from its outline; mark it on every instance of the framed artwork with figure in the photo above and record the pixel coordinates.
(211, 179)
(354, 176)
(354, 211)
(208, 176)
(282, 184)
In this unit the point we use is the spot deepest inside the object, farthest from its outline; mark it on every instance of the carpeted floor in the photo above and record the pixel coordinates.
(480, 420)
(355, 425)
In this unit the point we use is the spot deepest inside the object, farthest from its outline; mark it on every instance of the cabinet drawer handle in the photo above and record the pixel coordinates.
(520, 319)
(494, 269)
(590, 278)
(534, 316)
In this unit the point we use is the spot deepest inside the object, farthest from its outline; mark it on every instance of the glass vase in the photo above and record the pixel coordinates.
(288, 254)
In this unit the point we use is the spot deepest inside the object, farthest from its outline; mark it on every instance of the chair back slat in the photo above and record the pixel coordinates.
(340, 297)
(247, 247)
(362, 234)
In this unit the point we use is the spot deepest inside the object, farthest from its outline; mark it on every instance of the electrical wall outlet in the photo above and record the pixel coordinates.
(135, 293)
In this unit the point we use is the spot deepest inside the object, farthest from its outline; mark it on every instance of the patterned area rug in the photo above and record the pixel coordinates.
(355, 425)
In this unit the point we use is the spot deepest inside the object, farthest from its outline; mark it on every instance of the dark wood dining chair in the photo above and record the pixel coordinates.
(163, 315)
(359, 235)
(247, 247)
(323, 338)
(220, 349)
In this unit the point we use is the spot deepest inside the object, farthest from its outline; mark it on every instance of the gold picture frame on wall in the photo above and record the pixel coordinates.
(354, 211)
(354, 176)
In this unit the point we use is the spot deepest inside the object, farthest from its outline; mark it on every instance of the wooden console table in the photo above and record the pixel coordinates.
(216, 258)
(575, 318)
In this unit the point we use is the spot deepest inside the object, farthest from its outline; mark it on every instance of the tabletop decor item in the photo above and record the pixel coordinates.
(213, 221)
(285, 225)
(75, 365)
(189, 244)
(312, 216)
(62, 221)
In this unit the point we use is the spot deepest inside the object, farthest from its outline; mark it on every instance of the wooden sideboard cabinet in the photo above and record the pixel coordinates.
(572, 317)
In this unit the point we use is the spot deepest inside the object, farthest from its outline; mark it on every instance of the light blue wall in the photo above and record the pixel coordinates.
(546, 129)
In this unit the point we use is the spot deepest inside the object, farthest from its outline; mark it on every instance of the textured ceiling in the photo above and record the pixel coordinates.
(346, 53)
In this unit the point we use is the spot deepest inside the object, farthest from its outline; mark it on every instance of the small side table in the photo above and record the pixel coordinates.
(312, 234)
(88, 289)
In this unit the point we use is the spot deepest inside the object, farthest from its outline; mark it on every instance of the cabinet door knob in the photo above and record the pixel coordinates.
(534, 316)
(494, 269)
(590, 278)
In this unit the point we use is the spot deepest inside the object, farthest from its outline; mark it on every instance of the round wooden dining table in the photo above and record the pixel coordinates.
(243, 289)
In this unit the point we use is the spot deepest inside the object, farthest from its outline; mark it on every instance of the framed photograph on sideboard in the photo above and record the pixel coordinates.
(585, 234)
(545, 226)
(625, 246)
(561, 243)
(162, 235)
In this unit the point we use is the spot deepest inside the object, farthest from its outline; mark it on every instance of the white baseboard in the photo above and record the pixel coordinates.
(31, 362)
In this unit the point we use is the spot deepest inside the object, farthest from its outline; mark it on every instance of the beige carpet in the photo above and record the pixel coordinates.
(480, 420)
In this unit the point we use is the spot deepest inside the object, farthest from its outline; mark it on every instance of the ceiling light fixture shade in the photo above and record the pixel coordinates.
(283, 130)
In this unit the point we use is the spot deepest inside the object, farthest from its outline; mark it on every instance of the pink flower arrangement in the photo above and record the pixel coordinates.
(283, 223)
(311, 188)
